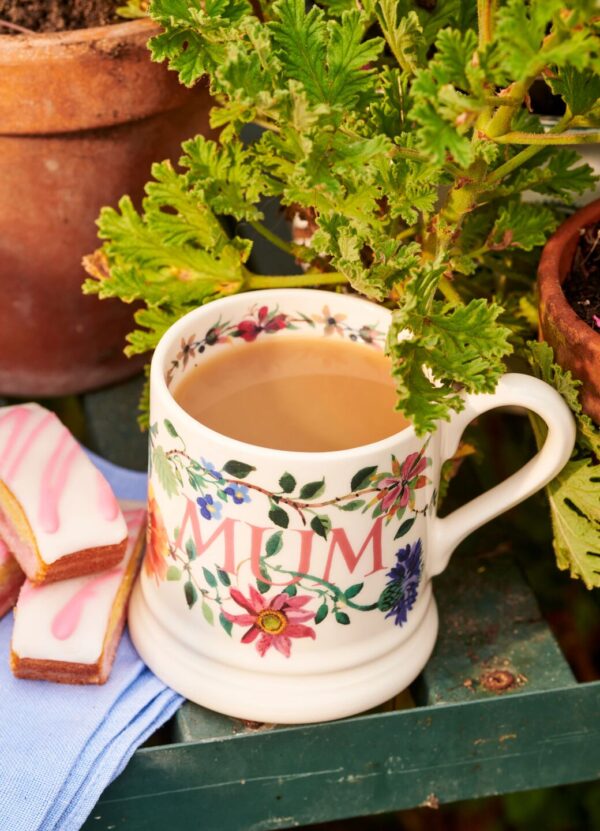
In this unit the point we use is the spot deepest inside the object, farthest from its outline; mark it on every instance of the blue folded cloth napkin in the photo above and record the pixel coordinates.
(61, 745)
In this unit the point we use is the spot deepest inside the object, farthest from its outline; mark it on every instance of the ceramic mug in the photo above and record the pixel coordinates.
(292, 587)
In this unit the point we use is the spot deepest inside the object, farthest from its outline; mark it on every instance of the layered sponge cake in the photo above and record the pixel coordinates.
(68, 631)
(11, 579)
(58, 515)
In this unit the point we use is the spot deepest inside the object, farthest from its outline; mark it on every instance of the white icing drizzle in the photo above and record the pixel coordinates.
(67, 506)
(67, 621)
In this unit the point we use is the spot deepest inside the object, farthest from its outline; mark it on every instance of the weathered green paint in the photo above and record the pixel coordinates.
(490, 629)
(360, 766)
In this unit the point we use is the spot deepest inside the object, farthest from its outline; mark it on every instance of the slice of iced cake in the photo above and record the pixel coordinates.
(11, 579)
(58, 514)
(69, 631)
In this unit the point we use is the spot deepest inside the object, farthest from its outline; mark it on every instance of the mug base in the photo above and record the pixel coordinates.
(278, 699)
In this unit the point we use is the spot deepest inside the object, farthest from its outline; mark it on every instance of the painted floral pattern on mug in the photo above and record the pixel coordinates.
(277, 609)
(261, 320)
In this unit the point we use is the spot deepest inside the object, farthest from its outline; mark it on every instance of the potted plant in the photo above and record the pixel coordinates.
(401, 132)
(83, 114)
(572, 255)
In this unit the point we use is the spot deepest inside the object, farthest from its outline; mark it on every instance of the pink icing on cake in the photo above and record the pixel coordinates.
(68, 504)
(107, 502)
(67, 621)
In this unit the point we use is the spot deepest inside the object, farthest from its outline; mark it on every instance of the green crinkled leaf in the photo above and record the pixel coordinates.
(329, 59)
(437, 346)
(403, 33)
(522, 225)
(574, 497)
(580, 90)
(541, 358)
(165, 471)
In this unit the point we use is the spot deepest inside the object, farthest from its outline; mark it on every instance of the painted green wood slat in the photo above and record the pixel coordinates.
(359, 766)
(492, 639)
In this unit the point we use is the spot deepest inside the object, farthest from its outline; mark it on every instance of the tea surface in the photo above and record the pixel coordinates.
(298, 393)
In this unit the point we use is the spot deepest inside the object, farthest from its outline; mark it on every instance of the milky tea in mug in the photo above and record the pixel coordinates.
(307, 394)
(293, 530)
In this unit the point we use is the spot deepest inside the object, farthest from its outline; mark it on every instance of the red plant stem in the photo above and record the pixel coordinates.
(16, 28)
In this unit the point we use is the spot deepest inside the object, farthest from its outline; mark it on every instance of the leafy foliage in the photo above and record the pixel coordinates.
(574, 495)
(402, 130)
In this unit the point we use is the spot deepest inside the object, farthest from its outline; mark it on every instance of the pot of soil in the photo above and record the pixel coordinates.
(569, 289)
(83, 114)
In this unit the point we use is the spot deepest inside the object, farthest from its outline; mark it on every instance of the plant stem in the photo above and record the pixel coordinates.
(278, 281)
(289, 247)
(524, 156)
(548, 139)
(449, 292)
(407, 233)
(486, 10)
(16, 28)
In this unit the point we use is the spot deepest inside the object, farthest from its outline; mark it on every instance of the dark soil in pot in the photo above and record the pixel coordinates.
(582, 285)
(56, 15)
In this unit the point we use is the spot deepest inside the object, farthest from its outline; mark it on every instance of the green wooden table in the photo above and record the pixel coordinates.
(496, 710)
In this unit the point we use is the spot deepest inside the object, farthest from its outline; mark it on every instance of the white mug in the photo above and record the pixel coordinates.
(291, 587)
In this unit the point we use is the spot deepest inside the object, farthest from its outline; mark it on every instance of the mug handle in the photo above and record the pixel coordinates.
(513, 389)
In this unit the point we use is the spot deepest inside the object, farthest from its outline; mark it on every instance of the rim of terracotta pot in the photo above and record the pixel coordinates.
(555, 265)
(60, 82)
(16, 40)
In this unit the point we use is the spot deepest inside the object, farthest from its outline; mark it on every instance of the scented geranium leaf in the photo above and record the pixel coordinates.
(371, 270)
(403, 33)
(411, 188)
(196, 34)
(437, 136)
(522, 225)
(226, 179)
(521, 35)
(574, 497)
(541, 359)
(330, 59)
(555, 171)
(579, 90)
(437, 348)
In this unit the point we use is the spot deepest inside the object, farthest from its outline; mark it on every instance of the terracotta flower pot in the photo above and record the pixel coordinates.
(83, 115)
(576, 345)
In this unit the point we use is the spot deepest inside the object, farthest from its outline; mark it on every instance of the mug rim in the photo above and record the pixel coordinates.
(158, 384)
